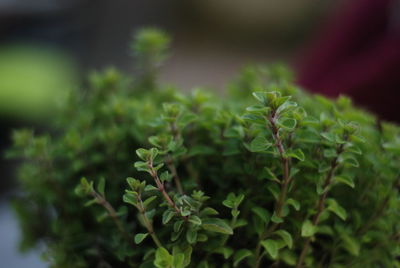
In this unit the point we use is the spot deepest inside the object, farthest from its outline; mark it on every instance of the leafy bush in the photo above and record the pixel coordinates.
(266, 176)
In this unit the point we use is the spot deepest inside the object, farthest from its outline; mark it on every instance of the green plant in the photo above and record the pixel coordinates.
(267, 176)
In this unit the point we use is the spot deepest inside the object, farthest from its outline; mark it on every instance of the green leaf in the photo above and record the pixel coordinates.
(350, 244)
(178, 226)
(163, 259)
(143, 154)
(141, 166)
(259, 144)
(179, 260)
(172, 109)
(254, 118)
(287, 123)
(233, 201)
(91, 202)
(323, 167)
(358, 138)
(328, 136)
(186, 212)
(199, 196)
(262, 213)
(149, 200)
(140, 237)
(354, 149)
(228, 203)
(288, 256)
(349, 160)
(240, 255)
(203, 264)
(240, 223)
(257, 109)
(286, 237)
(101, 186)
(276, 219)
(157, 141)
(165, 176)
(260, 96)
(271, 247)
(294, 171)
(195, 220)
(274, 189)
(298, 154)
(202, 238)
(349, 127)
(235, 213)
(102, 217)
(217, 225)
(330, 153)
(276, 99)
(208, 212)
(122, 211)
(186, 118)
(239, 199)
(267, 173)
(167, 216)
(353, 162)
(150, 187)
(225, 251)
(134, 184)
(258, 225)
(147, 155)
(157, 167)
(153, 153)
(191, 236)
(80, 191)
(339, 139)
(336, 208)
(290, 105)
(200, 150)
(150, 213)
(308, 229)
(130, 198)
(345, 180)
(188, 255)
(87, 187)
(295, 204)
(325, 229)
(176, 235)
(234, 132)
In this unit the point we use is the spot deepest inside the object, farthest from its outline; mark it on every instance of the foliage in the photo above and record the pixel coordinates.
(139, 175)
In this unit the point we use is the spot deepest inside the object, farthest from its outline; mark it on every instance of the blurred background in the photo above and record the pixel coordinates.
(48, 46)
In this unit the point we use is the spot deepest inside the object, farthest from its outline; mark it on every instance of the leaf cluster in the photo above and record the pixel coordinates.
(142, 175)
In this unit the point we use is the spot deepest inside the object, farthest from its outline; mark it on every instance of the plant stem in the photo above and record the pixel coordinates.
(258, 260)
(161, 188)
(170, 163)
(148, 224)
(284, 186)
(111, 212)
(321, 204)
(285, 166)
(171, 166)
(232, 225)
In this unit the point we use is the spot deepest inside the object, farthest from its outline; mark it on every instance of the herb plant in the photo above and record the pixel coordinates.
(136, 174)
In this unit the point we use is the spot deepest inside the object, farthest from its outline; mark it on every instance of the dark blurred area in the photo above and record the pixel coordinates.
(48, 46)
(357, 53)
